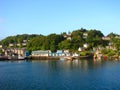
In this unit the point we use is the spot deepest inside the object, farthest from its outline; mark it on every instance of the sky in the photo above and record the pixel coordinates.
(57, 16)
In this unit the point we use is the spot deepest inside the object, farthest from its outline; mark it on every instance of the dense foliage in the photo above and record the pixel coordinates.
(72, 40)
(49, 42)
(17, 39)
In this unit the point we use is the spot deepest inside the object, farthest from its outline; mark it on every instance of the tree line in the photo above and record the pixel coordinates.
(72, 40)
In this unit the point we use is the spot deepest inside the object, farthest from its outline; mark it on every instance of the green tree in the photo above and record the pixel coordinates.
(94, 38)
(36, 43)
(54, 40)
(116, 43)
(78, 38)
(66, 44)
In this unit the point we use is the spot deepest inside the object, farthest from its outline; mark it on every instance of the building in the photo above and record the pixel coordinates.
(85, 45)
(67, 53)
(80, 49)
(11, 45)
(40, 53)
(15, 51)
(49, 53)
(24, 44)
(105, 38)
(25, 41)
(1, 46)
(68, 36)
(18, 44)
(85, 35)
(58, 53)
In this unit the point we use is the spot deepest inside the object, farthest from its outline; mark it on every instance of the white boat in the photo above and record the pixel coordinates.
(68, 58)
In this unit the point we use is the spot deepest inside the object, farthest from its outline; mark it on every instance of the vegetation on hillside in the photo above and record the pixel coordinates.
(72, 40)
(16, 39)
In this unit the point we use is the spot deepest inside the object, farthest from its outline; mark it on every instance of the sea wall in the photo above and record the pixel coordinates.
(44, 58)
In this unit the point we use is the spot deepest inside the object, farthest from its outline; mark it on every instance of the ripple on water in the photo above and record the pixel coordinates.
(60, 75)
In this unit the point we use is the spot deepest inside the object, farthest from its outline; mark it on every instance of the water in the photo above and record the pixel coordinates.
(60, 75)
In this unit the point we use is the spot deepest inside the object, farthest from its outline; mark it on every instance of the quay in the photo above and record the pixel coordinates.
(43, 58)
(3, 58)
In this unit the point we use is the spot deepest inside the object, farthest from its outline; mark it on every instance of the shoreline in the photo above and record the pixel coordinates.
(3, 58)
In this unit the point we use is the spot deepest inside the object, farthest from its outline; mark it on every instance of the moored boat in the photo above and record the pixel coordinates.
(68, 58)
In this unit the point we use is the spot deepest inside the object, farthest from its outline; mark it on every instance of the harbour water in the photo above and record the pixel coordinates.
(60, 75)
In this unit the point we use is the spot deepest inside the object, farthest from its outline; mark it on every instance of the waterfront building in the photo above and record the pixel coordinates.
(58, 53)
(49, 53)
(27, 53)
(14, 51)
(40, 53)
(66, 52)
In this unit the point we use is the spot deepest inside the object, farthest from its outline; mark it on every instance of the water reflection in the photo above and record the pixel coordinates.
(76, 64)
(56, 74)
(69, 65)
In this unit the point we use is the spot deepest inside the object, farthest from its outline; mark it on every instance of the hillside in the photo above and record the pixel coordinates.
(71, 40)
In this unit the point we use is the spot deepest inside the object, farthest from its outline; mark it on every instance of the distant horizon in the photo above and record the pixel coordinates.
(46, 17)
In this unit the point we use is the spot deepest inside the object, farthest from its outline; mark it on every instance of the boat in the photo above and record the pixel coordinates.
(68, 58)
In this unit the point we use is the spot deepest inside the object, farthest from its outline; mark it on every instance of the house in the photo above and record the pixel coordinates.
(18, 44)
(85, 45)
(105, 38)
(68, 36)
(27, 53)
(66, 53)
(21, 51)
(1, 46)
(24, 44)
(11, 45)
(21, 44)
(85, 35)
(75, 54)
(80, 49)
(60, 53)
(17, 51)
(25, 41)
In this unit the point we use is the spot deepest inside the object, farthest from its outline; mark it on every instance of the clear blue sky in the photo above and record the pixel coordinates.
(56, 16)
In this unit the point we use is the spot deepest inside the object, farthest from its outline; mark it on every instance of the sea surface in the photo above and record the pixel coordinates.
(60, 75)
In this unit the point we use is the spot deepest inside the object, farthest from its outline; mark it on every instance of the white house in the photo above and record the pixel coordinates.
(11, 44)
(105, 38)
(24, 44)
(85, 45)
(85, 35)
(80, 49)
(1, 46)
